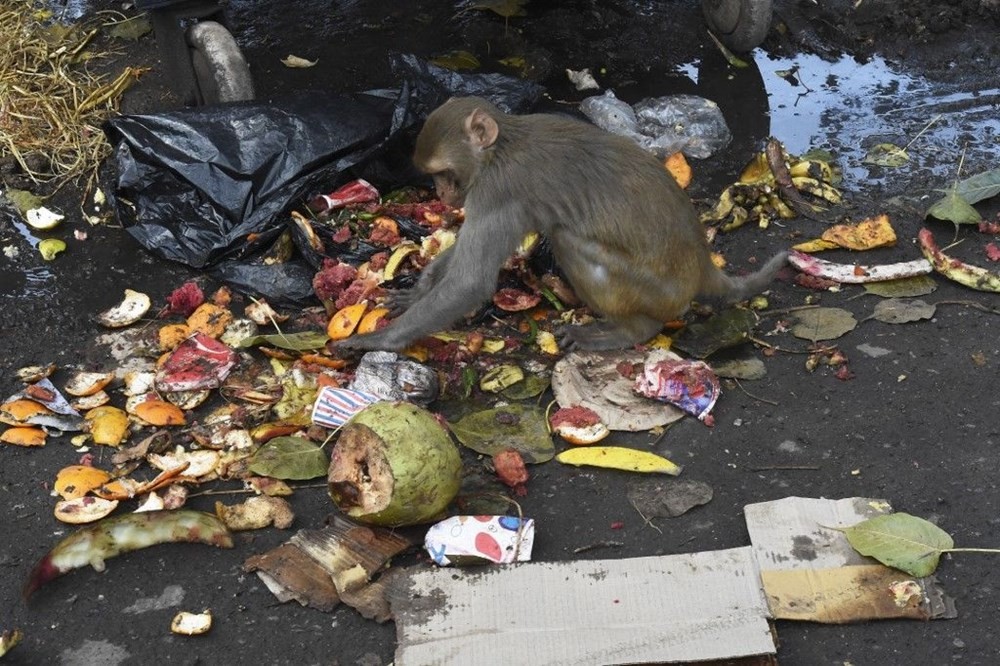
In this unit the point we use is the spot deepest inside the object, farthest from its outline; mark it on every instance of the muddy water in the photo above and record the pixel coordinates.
(847, 106)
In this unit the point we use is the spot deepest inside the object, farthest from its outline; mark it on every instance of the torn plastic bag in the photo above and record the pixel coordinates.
(286, 284)
(433, 85)
(195, 185)
(662, 125)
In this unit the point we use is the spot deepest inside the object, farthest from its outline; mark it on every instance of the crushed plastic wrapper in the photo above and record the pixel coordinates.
(200, 362)
(480, 539)
(691, 385)
(335, 406)
(390, 377)
(663, 125)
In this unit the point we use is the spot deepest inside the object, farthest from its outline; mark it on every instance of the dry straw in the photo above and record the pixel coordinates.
(53, 92)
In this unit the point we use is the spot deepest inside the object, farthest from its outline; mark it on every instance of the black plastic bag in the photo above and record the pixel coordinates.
(203, 182)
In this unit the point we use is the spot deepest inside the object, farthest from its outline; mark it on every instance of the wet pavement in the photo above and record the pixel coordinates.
(917, 425)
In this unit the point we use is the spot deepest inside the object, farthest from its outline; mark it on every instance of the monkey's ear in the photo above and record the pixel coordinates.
(481, 128)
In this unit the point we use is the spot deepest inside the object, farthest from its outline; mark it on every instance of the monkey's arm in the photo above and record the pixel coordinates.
(465, 280)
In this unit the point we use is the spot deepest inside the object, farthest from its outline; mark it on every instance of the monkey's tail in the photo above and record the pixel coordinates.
(730, 289)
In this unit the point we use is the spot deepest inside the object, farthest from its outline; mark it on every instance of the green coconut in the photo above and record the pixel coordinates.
(394, 465)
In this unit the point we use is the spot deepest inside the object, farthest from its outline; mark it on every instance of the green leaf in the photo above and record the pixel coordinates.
(823, 324)
(293, 458)
(457, 60)
(303, 341)
(900, 540)
(902, 310)
(979, 187)
(132, 29)
(729, 328)
(469, 381)
(513, 427)
(918, 285)
(530, 387)
(886, 155)
(953, 208)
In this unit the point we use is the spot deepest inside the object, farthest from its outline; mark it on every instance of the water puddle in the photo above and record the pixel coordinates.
(23, 280)
(847, 106)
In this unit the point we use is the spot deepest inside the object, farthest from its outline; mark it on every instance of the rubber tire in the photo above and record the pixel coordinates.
(221, 71)
(739, 24)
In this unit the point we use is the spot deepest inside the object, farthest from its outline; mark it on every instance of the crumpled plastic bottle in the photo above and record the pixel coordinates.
(663, 125)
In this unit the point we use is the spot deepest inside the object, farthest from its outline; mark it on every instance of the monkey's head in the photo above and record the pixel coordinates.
(454, 143)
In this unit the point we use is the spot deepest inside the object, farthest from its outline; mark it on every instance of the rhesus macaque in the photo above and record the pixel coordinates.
(626, 236)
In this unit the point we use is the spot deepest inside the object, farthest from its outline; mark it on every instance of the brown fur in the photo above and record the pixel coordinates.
(626, 236)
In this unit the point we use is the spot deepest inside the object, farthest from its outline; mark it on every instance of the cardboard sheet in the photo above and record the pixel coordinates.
(675, 608)
(811, 572)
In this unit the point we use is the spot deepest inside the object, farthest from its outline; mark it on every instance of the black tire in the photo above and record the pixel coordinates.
(739, 24)
(221, 71)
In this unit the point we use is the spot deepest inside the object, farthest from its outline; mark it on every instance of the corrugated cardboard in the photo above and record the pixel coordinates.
(811, 572)
(675, 608)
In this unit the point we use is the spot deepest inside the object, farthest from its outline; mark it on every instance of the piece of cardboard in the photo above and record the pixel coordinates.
(811, 572)
(676, 608)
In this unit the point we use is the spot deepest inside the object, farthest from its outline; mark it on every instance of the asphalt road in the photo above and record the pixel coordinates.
(916, 423)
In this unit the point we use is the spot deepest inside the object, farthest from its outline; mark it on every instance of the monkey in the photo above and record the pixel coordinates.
(622, 231)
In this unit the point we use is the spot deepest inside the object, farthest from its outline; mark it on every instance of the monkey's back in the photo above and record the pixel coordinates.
(624, 232)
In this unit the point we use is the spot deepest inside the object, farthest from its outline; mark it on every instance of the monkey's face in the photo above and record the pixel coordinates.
(452, 145)
(448, 189)
(447, 160)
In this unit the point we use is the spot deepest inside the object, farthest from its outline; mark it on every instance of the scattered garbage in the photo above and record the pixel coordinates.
(392, 462)
(186, 623)
(865, 235)
(603, 382)
(518, 427)
(654, 497)
(582, 79)
(335, 406)
(339, 563)
(691, 385)
(578, 425)
(465, 540)
(388, 376)
(965, 274)
(856, 273)
(43, 219)
(663, 125)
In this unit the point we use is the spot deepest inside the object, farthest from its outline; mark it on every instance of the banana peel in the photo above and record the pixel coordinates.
(772, 186)
(867, 234)
(122, 534)
(855, 273)
(619, 457)
(965, 274)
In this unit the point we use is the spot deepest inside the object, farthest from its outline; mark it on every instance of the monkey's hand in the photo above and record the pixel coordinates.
(383, 340)
(399, 300)
(600, 335)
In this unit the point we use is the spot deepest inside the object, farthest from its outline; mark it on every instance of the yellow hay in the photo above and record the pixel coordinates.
(52, 98)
